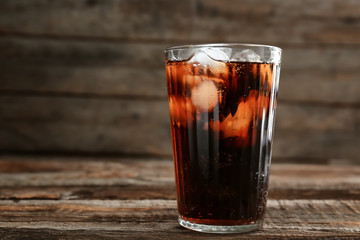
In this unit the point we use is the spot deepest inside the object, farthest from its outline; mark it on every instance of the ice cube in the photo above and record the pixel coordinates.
(237, 125)
(204, 96)
(191, 80)
(213, 60)
(206, 56)
(247, 55)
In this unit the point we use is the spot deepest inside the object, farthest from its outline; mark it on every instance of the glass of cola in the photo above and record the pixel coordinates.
(222, 101)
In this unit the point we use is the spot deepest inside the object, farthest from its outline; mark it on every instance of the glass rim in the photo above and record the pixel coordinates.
(230, 45)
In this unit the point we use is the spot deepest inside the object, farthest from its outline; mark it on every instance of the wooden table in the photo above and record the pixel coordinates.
(111, 198)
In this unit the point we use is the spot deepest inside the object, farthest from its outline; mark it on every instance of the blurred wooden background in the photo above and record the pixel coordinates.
(86, 77)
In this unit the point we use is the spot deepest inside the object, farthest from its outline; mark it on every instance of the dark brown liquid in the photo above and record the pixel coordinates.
(219, 123)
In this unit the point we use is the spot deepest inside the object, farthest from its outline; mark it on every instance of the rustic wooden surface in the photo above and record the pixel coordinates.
(54, 111)
(87, 76)
(131, 126)
(330, 21)
(113, 198)
(83, 99)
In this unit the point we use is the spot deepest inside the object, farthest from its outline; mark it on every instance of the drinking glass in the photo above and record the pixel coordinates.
(222, 101)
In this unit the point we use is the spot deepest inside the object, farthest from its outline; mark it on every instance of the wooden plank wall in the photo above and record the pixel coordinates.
(87, 76)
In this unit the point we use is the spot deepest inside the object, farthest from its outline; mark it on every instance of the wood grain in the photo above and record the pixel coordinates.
(75, 210)
(113, 178)
(75, 53)
(98, 125)
(294, 217)
(144, 82)
(85, 124)
(335, 21)
(103, 55)
(86, 78)
(328, 86)
(164, 191)
(83, 81)
(78, 53)
(108, 69)
(248, 22)
(81, 198)
(162, 230)
(334, 144)
(110, 19)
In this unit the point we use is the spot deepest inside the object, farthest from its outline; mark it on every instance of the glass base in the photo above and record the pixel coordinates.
(219, 229)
